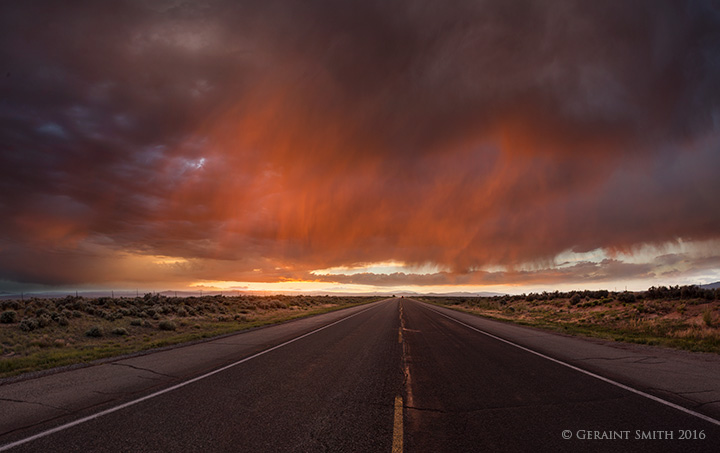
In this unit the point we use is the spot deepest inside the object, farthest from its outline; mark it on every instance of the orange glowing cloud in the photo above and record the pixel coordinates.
(263, 142)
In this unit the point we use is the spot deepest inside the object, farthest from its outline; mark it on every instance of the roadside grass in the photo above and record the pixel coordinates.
(692, 324)
(48, 333)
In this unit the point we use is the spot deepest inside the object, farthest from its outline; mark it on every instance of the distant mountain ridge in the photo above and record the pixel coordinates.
(715, 285)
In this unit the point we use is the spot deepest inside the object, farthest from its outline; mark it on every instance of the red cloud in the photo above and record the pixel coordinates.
(290, 139)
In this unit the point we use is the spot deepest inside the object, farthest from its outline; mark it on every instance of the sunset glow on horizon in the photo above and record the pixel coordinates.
(360, 147)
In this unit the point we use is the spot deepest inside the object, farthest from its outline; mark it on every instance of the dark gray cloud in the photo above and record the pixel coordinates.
(325, 133)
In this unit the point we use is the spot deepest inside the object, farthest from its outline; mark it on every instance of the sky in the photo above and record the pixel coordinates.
(363, 146)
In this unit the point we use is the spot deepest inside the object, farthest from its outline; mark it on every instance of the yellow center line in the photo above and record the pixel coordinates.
(397, 445)
(402, 325)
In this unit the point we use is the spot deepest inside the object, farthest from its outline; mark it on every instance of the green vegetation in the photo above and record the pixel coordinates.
(94, 331)
(684, 317)
(8, 317)
(167, 325)
(38, 334)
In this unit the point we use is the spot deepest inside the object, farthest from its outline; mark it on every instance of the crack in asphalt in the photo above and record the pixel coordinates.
(644, 360)
(109, 393)
(37, 403)
(707, 403)
(150, 378)
(608, 358)
(697, 391)
(144, 369)
(691, 401)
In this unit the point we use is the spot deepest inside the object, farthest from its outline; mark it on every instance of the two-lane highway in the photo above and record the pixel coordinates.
(398, 375)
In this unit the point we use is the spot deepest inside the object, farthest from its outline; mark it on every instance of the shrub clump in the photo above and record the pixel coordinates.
(167, 325)
(44, 320)
(708, 317)
(28, 324)
(120, 331)
(94, 331)
(575, 299)
(8, 317)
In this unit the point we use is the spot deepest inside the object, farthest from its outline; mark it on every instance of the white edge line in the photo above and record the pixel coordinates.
(596, 376)
(166, 390)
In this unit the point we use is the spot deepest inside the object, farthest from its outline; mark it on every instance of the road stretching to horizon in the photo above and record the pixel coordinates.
(396, 375)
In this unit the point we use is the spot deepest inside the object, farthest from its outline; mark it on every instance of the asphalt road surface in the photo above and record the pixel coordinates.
(398, 375)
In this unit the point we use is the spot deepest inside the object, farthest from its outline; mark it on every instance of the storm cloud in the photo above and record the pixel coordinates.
(262, 140)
